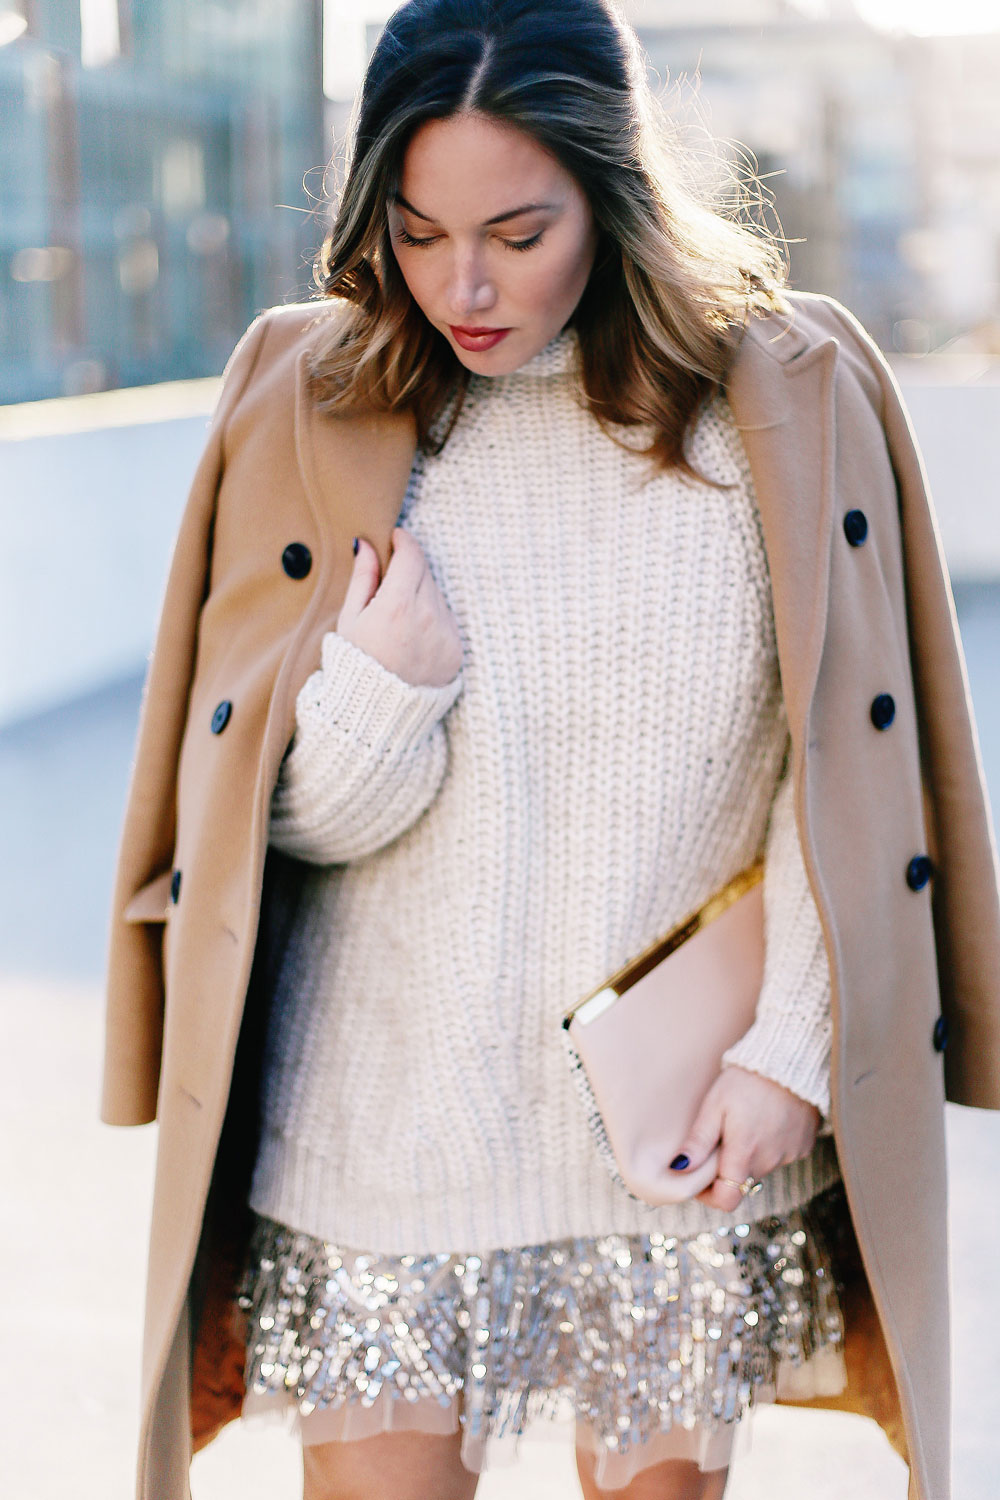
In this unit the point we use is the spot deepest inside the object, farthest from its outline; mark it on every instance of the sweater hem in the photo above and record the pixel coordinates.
(297, 1188)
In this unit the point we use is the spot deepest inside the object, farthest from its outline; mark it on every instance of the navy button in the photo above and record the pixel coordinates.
(940, 1034)
(855, 527)
(296, 560)
(883, 710)
(918, 872)
(221, 716)
(175, 886)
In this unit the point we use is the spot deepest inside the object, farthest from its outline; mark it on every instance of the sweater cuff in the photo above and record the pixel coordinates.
(778, 1048)
(368, 703)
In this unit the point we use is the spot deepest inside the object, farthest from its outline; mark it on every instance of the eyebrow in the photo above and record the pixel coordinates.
(510, 213)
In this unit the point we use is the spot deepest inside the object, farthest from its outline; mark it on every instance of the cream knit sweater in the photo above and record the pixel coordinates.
(479, 855)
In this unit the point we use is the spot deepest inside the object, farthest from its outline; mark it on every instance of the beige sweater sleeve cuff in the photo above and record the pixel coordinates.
(367, 757)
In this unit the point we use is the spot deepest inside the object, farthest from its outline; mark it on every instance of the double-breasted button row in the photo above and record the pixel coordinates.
(883, 708)
(882, 712)
(296, 561)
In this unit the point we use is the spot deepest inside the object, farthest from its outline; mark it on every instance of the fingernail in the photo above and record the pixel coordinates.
(679, 1162)
(355, 546)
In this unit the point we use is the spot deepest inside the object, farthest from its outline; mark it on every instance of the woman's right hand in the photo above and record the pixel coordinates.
(403, 621)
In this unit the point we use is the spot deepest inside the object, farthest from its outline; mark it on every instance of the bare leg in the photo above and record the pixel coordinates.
(388, 1466)
(674, 1479)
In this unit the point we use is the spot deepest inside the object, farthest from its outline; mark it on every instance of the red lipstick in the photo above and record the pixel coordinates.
(475, 339)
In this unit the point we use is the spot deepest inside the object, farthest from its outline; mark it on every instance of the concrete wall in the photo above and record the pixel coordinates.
(88, 514)
(955, 406)
(91, 491)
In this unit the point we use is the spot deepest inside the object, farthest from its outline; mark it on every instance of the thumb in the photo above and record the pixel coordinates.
(703, 1136)
(362, 584)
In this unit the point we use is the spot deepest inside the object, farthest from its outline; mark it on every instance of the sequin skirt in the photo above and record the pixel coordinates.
(655, 1345)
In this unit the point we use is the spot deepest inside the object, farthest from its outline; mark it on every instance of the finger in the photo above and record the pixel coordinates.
(362, 584)
(735, 1165)
(406, 568)
(721, 1195)
(736, 1156)
(703, 1136)
(726, 1191)
(739, 1152)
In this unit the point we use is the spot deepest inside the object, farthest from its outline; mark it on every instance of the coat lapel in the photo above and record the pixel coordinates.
(781, 392)
(354, 469)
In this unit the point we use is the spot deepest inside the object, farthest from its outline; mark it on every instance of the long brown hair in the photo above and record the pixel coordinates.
(675, 275)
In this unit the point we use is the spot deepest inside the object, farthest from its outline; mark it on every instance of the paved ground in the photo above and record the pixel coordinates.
(72, 1297)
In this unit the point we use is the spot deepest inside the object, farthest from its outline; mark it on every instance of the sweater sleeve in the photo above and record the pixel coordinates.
(790, 1038)
(367, 757)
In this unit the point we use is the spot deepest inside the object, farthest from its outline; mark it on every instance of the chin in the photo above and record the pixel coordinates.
(489, 362)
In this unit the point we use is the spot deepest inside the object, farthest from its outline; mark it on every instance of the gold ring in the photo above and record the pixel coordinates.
(747, 1186)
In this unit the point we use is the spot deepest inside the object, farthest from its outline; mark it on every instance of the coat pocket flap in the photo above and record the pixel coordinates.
(150, 903)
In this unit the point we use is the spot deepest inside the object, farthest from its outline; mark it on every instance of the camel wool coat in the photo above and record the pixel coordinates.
(862, 606)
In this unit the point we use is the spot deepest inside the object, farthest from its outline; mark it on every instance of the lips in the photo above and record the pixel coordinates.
(475, 339)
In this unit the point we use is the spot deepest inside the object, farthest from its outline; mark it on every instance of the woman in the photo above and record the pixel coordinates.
(541, 730)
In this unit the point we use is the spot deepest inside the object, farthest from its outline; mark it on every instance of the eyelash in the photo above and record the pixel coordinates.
(408, 239)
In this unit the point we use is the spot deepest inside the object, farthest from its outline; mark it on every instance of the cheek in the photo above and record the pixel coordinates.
(563, 272)
(584, 250)
(412, 266)
(410, 270)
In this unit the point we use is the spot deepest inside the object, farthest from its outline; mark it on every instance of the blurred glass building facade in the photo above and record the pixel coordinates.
(881, 152)
(152, 195)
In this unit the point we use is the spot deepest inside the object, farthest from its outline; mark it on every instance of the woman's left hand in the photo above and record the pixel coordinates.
(758, 1125)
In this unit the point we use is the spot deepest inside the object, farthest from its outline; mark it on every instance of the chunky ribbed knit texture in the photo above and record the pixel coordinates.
(480, 855)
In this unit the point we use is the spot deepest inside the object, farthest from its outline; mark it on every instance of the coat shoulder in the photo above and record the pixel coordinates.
(270, 351)
(813, 320)
(290, 327)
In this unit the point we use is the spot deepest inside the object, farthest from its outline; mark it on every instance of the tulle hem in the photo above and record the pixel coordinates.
(823, 1374)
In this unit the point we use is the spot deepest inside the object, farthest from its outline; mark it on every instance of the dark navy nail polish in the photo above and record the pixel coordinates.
(679, 1162)
(355, 546)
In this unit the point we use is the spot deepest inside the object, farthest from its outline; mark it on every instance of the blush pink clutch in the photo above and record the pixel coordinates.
(646, 1045)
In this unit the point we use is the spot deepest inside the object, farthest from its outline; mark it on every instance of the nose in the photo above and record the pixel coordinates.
(470, 287)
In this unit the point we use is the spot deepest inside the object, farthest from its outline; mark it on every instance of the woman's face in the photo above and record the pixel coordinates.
(505, 238)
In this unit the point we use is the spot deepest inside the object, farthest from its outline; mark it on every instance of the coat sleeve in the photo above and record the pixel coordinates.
(134, 991)
(965, 890)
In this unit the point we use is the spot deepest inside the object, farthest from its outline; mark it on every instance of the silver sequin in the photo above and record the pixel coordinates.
(632, 1333)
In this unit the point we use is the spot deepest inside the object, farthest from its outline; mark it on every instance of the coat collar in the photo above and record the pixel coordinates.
(781, 392)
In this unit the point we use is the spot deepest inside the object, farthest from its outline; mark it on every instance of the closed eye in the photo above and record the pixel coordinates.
(409, 239)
